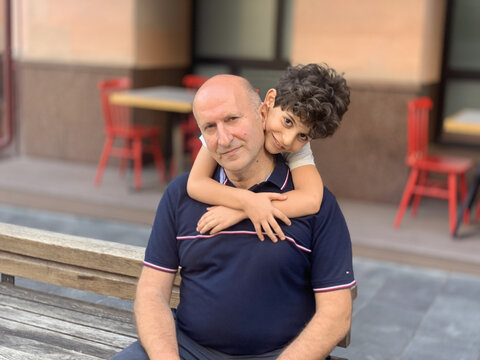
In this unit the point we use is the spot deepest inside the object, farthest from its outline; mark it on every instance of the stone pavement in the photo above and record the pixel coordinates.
(401, 312)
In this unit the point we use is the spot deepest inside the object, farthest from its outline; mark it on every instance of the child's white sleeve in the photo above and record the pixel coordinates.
(202, 140)
(299, 158)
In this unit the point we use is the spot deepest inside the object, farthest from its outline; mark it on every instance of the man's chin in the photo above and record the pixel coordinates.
(232, 165)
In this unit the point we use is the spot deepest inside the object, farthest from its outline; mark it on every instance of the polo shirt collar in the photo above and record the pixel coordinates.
(279, 176)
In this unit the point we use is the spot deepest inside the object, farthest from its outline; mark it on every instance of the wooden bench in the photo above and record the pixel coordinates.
(64, 327)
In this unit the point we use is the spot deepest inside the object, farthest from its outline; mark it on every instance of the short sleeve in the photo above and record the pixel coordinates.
(299, 158)
(332, 267)
(161, 252)
(202, 140)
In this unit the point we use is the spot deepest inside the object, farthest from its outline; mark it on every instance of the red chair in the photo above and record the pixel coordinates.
(422, 164)
(192, 81)
(189, 128)
(118, 126)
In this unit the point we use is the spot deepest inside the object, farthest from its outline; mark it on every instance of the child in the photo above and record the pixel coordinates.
(307, 103)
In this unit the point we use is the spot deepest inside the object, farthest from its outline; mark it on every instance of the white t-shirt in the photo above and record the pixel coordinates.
(295, 159)
(299, 158)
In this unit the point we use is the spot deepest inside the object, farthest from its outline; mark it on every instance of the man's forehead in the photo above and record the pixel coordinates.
(223, 102)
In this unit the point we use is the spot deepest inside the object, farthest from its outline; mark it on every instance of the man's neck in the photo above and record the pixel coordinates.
(256, 173)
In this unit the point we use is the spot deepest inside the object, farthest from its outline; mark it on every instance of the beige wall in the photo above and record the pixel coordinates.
(163, 32)
(2, 26)
(125, 33)
(390, 52)
(371, 40)
(63, 48)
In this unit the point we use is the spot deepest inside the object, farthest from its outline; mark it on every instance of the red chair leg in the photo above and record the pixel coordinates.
(194, 147)
(158, 158)
(102, 163)
(173, 167)
(124, 160)
(416, 200)
(463, 197)
(477, 213)
(407, 194)
(452, 201)
(137, 163)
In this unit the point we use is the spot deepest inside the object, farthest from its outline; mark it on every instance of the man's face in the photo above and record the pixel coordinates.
(232, 132)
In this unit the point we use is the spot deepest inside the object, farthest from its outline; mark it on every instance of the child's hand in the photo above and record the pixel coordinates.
(218, 218)
(259, 209)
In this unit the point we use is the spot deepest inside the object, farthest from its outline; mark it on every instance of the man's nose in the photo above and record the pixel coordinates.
(224, 136)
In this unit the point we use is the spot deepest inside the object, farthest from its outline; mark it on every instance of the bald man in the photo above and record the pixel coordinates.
(241, 298)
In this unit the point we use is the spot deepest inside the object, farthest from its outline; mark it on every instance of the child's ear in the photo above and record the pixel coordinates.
(270, 97)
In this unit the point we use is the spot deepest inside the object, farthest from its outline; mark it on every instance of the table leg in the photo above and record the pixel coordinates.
(467, 204)
(177, 162)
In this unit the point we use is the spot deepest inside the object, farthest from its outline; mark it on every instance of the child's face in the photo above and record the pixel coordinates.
(284, 132)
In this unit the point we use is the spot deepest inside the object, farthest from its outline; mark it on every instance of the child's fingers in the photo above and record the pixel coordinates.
(276, 228)
(258, 230)
(216, 229)
(277, 196)
(280, 215)
(266, 227)
(205, 225)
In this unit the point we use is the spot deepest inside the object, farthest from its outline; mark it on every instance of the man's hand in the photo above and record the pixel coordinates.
(327, 327)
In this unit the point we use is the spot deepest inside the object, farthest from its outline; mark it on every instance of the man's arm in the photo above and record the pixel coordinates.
(155, 323)
(327, 327)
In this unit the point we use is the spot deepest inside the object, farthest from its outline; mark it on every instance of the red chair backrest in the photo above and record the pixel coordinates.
(418, 116)
(192, 81)
(115, 116)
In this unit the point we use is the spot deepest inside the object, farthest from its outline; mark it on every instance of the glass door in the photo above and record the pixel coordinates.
(249, 38)
(460, 93)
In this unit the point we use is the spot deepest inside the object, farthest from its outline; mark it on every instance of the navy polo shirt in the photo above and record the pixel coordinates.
(240, 295)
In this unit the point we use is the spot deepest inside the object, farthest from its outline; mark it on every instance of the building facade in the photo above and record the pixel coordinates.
(389, 52)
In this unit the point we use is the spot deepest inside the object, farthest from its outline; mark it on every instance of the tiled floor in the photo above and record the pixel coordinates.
(402, 311)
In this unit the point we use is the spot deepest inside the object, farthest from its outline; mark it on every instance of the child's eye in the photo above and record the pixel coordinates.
(288, 122)
(303, 137)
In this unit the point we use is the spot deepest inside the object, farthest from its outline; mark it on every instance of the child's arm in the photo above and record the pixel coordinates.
(307, 196)
(257, 207)
(304, 200)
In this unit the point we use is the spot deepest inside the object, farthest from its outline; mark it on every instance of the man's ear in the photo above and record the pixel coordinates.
(263, 111)
(270, 97)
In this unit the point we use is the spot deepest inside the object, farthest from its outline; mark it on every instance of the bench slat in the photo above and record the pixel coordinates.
(124, 328)
(68, 275)
(92, 333)
(75, 250)
(79, 306)
(47, 344)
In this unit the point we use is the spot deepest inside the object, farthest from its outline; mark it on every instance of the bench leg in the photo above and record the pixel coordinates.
(9, 279)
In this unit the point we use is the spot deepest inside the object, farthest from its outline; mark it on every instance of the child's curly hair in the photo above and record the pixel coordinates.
(316, 94)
